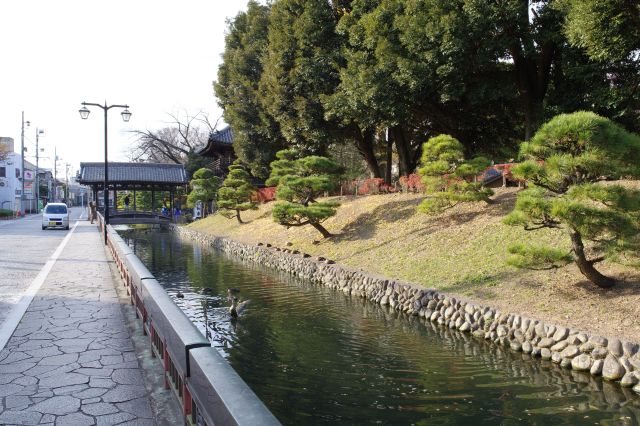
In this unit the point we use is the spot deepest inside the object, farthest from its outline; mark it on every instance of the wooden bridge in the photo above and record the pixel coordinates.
(128, 178)
(132, 217)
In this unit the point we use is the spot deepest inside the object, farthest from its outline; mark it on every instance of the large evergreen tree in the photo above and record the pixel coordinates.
(569, 160)
(256, 134)
(299, 68)
(234, 196)
(309, 74)
(419, 69)
(300, 182)
(609, 30)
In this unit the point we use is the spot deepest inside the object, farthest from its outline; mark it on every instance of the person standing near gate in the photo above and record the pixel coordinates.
(126, 202)
(92, 211)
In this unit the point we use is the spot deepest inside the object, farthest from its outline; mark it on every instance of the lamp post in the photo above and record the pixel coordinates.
(22, 209)
(126, 115)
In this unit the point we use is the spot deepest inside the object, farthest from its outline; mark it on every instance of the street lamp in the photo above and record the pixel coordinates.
(126, 115)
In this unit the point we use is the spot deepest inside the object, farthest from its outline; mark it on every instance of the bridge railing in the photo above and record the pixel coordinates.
(210, 391)
(114, 212)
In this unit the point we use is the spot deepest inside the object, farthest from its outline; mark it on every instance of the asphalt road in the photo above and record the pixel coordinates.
(24, 250)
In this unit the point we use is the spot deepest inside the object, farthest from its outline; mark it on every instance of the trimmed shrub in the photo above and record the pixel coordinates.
(567, 162)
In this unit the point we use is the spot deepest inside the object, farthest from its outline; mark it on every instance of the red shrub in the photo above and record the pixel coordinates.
(264, 195)
(411, 183)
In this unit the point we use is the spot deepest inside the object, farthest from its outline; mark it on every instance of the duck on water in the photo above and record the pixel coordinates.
(237, 307)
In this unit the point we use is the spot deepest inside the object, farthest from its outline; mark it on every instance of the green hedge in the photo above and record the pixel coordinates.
(6, 213)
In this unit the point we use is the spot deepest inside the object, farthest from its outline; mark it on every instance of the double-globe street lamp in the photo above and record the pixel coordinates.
(126, 115)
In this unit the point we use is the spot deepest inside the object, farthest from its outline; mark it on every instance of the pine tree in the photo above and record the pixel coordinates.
(446, 175)
(234, 196)
(568, 161)
(300, 182)
(204, 187)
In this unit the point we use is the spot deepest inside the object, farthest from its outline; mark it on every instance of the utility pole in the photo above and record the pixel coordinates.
(22, 209)
(55, 173)
(66, 195)
(38, 133)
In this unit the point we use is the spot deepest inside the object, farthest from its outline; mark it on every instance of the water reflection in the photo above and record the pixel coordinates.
(314, 355)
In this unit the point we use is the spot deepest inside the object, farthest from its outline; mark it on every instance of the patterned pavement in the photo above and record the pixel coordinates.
(71, 360)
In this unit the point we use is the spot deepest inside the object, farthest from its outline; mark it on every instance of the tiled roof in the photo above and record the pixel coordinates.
(219, 141)
(133, 172)
(224, 136)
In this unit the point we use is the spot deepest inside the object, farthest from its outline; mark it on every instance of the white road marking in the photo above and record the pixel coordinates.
(13, 319)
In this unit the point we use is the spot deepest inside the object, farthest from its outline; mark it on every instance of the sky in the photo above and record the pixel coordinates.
(157, 56)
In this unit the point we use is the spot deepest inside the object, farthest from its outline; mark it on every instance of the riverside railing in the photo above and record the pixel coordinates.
(209, 390)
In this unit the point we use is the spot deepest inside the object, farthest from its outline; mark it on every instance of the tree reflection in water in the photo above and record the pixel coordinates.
(316, 355)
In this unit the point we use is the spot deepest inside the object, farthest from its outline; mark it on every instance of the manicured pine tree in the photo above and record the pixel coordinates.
(300, 182)
(204, 187)
(568, 161)
(448, 178)
(234, 196)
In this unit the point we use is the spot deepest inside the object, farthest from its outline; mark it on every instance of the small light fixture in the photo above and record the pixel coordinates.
(84, 112)
(126, 114)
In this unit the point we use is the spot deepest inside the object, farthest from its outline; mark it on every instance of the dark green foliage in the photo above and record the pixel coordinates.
(609, 30)
(447, 177)
(204, 187)
(300, 182)
(195, 162)
(310, 74)
(256, 133)
(568, 161)
(234, 196)
(300, 66)
(6, 213)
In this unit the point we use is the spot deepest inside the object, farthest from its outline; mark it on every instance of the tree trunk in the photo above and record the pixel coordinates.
(322, 230)
(402, 146)
(387, 175)
(532, 113)
(238, 216)
(364, 144)
(532, 77)
(585, 266)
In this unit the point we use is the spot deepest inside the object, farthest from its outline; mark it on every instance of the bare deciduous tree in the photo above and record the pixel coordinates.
(181, 136)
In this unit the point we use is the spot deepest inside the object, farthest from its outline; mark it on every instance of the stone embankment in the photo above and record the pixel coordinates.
(613, 359)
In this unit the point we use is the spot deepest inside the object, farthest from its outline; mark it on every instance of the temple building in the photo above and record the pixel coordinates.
(219, 148)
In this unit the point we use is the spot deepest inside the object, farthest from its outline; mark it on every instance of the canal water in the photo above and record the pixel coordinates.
(317, 356)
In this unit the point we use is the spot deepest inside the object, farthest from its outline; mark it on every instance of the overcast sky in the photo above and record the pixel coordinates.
(157, 56)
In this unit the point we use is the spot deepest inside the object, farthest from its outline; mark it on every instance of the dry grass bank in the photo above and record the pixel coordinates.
(461, 252)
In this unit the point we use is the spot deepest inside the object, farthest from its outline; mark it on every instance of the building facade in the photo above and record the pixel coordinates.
(10, 176)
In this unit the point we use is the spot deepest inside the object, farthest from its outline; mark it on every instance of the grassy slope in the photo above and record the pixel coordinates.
(462, 252)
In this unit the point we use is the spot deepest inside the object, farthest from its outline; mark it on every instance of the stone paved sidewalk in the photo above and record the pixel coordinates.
(71, 360)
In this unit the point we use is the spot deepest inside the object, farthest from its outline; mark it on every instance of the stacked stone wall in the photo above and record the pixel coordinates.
(615, 360)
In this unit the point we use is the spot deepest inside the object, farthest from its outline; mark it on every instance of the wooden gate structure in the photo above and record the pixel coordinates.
(134, 177)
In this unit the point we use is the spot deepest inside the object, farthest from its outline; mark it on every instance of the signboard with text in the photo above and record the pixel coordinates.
(28, 190)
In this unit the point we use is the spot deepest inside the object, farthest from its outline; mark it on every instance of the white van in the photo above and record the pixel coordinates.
(55, 215)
